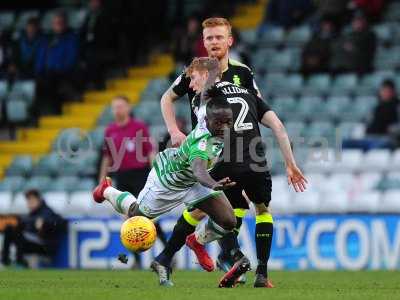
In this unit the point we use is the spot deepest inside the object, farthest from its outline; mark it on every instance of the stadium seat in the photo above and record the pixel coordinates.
(383, 32)
(313, 108)
(280, 62)
(298, 36)
(348, 161)
(12, 183)
(48, 165)
(76, 17)
(5, 202)
(307, 202)
(390, 202)
(272, 37)
(377, 159)
(319, 83)
(56, 201)
(16, 111)
(25, 89)
(370, 180)
(285, 106)
(319, 161)
(101, 210)
(248, 36)
(295, 129)
(3, 89)
(86, 184)
(335, 201)
(338, 181)
(365, 202)
(320, 132)
(19, 205)
(21, 166)
(280, 201)
(345, 82)
(64, 183)
(41, 183)
(79, 204)
(316, 180)
(351, 130)
(395, 160)
(7, 19)
(106, 117)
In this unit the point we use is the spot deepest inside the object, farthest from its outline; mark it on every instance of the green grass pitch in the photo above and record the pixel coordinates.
(190, 285)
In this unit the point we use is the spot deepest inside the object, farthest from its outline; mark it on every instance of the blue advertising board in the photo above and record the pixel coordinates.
(299, 242)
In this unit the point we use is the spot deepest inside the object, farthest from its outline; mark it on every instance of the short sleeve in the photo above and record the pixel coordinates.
(198, 150)
(181, 85)
(251, 82)
(262, 107)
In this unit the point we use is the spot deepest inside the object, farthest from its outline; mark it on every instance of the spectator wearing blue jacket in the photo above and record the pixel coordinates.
(56, 66)
(26, 49)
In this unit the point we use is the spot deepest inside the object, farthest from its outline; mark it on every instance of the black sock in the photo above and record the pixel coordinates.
(263, 237)
(230, 241)
(178, 238)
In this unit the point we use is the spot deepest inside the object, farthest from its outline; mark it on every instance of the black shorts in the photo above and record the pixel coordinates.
(131, 181)
(256, 185)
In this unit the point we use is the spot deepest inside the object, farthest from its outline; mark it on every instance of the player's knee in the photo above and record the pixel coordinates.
(261, 208)
(228, 222)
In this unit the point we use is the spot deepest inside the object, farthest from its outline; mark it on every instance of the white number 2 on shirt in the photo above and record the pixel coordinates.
(240, 125)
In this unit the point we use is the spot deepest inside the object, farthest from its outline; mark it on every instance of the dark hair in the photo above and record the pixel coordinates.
(33, 193)
(217, 103)
(33, 21)
(388, 83)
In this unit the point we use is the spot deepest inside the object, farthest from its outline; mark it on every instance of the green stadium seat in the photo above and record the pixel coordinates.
(16, 111)
(7, 19)
(21, 166)
(280, 62)
(383, 32)
(76, 17)
(106, 117)
(41, 183)
(310, 108)
(298, 36)
(86, 184)
(65, 183)
(336, 106)
(284, 106)
(319, 83)
(47, 165)
(345, 82)
(295, 129)
(3, 89)
(248, 36)
(320, 132)
(12, 183)
(272, 37)
(25, 89)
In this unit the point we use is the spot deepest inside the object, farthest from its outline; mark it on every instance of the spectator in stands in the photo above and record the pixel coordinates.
(37, 233)
(287, 13)
(5, 54)
(355, 51)
(317, 51)
(337, 10)
(56, 66)
(26, 49)
(99, 43)
(372, 8)
(386, 111)
(189, 42)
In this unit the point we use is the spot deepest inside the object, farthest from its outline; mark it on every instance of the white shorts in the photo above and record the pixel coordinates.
(155, 199)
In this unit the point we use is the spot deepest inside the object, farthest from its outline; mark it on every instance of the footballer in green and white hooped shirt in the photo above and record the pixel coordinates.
(181, 176)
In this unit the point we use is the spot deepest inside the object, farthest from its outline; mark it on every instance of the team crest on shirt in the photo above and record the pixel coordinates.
(236, 80)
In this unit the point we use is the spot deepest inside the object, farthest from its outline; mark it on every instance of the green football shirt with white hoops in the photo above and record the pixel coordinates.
(173, 165)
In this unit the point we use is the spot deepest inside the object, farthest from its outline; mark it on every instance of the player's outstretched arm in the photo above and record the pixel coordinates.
(295, 176)
(199, 167)
(168, 112)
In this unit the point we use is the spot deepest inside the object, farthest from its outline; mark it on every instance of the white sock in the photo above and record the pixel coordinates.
(121, 201)
(209, 232)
